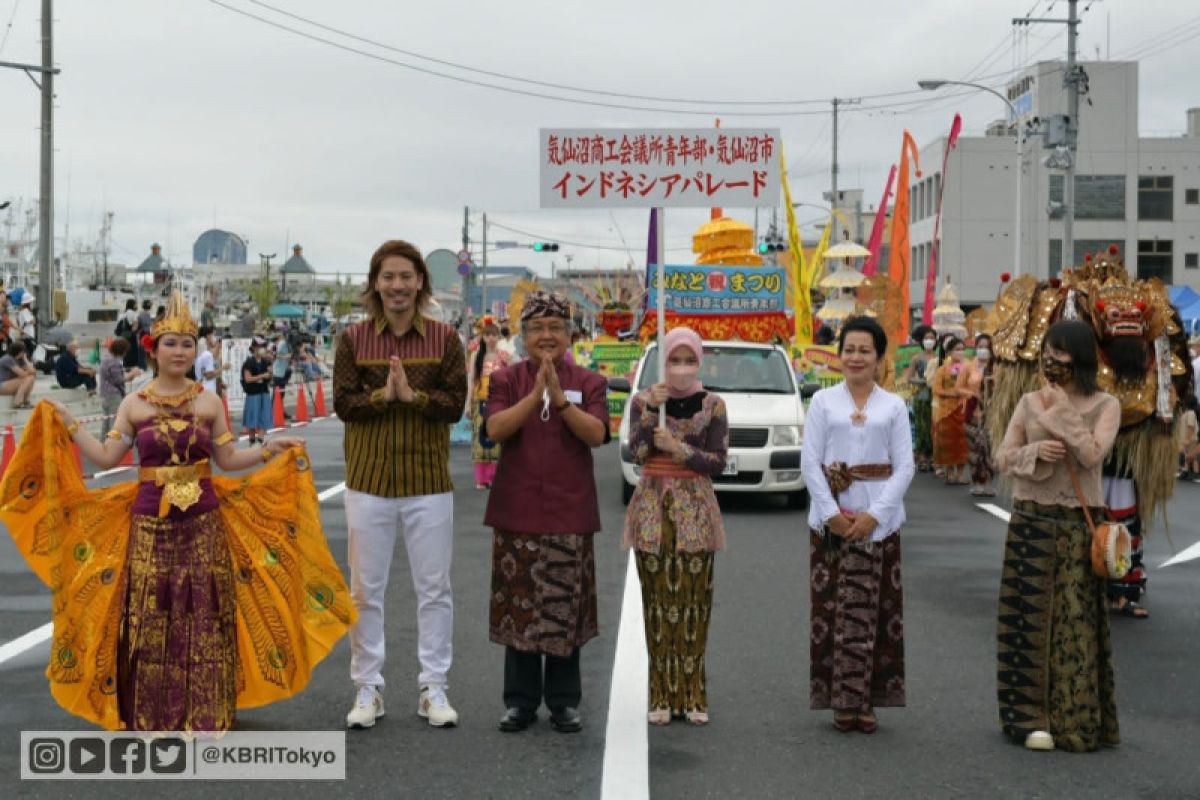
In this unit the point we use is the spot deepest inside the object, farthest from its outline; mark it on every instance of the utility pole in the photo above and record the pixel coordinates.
(1072, 81)
(833, 194)
(466, 246)
(45, 293)
(483, 272)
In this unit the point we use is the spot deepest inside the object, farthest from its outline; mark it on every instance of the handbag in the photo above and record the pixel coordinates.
(1111, 543)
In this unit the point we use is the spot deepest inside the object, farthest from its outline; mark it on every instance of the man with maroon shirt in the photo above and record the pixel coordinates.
(549, 414)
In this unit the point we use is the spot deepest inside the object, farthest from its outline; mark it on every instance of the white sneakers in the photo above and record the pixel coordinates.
(434, 706)
(368, 707)
(1039, 740)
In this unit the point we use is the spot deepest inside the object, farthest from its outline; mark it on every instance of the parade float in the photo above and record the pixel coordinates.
(1143, 360)
(613, 301)
(728, 294)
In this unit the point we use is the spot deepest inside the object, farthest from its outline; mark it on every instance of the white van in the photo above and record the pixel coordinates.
(766, 418)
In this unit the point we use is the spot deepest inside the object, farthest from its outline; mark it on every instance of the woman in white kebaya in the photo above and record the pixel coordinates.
(858, 463)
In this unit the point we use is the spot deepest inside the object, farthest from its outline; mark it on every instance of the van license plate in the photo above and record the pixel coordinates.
(730, 466)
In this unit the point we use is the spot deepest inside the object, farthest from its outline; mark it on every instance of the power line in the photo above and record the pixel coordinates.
(8, 27)
(544, 95)
(548, 84)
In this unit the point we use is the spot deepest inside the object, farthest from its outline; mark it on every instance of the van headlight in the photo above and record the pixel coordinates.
(787, 434)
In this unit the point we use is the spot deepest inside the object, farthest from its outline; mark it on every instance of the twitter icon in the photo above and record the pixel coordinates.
(168, 756)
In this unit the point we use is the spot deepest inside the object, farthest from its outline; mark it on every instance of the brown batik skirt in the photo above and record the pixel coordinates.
(677, 599)
(543, 592)
(857, 651)
(177, 667)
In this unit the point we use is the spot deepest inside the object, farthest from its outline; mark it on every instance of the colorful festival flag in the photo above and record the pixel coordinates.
(802, 296)
(898, 256)
(875, 244)
(931, 277)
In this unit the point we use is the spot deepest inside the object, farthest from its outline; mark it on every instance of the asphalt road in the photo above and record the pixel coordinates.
(763, 741)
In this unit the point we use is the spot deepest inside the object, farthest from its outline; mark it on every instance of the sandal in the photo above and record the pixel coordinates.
(697, 717)
(1130, 608)
(844, 721)
(659, 716)
(867, 723)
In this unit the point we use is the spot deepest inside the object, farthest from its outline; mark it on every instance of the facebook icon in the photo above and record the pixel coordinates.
(127, 756)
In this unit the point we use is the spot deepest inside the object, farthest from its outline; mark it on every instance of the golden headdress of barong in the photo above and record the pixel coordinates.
(178, 319)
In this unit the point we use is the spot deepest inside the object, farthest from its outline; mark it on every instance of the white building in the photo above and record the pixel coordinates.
(1139, 192)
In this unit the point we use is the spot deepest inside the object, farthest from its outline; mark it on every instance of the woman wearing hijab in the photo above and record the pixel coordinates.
(922, 408)
(674, 525)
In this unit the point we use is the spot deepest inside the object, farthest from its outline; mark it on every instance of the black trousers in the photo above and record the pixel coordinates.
(526, 685)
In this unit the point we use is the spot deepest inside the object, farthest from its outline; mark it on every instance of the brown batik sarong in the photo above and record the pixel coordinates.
(857, 650)
(543, 592)
(1054, 654)
(177, 662)
(677, 598)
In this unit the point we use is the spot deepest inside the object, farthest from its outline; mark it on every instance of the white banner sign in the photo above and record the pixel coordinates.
(658, 167)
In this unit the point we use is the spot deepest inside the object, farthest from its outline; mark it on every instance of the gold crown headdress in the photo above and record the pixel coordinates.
(178, 319)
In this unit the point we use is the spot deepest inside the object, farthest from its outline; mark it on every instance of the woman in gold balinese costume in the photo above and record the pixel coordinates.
(181, 597)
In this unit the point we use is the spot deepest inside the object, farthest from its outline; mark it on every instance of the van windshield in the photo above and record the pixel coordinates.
(733, 369)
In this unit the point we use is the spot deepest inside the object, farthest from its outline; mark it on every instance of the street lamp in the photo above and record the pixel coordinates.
(933, 85)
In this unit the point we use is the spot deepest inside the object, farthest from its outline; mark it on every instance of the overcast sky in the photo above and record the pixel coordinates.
(180, 115)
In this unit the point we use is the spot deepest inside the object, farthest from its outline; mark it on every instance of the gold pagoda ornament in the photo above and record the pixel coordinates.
(178, 319)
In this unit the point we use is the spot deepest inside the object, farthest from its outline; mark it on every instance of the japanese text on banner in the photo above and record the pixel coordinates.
(720, 290)
(672, 167)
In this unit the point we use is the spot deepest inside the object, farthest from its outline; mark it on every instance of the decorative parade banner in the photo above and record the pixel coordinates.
(610, 359)
(702, 290)
(660, 167)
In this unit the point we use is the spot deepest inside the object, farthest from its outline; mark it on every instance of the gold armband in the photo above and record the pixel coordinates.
(73, 429)
(224, 438)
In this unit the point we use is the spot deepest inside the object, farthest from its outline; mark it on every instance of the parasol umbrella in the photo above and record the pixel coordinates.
(846, 250)
(846, 277)
(838, 308)
(285, 311)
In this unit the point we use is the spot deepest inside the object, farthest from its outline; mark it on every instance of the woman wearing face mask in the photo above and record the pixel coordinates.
(949, 427)
(1055, 672)
(857, 461)
(975, 388)
(674, 525)
(922, 407)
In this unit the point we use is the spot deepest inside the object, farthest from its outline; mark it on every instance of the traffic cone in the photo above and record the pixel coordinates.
(10, 449)
(301, 405)
(127, 460)
(319, 403)
(279, 420)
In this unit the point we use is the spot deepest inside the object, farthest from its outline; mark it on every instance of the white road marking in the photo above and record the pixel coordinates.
(22, 643)
(626, 745)
(1188, 554)
(994, 510)
(35, 637)
(336, 489)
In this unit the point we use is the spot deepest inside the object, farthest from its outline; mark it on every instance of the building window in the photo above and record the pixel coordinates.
(1096, 196)
(1154, 259)
(1191, 260)
(1191, 196)
(1083, 247)
(1156, 197)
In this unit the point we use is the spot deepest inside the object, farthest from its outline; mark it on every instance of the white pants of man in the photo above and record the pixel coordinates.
(427, 522)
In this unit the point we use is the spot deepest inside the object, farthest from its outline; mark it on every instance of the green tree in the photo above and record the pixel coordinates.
(263, 293)
(341, 298)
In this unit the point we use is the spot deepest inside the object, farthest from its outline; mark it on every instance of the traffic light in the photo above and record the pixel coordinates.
(545, 247)
(767, 246)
